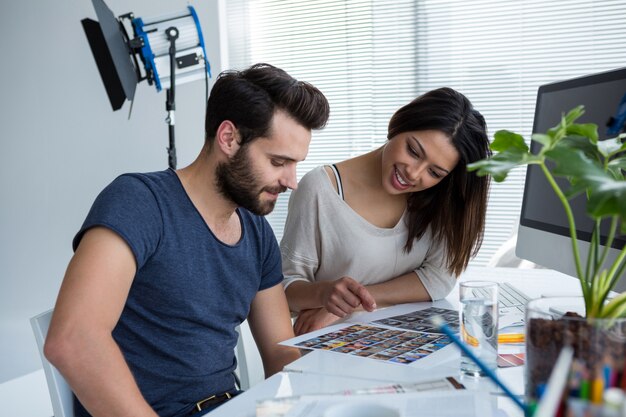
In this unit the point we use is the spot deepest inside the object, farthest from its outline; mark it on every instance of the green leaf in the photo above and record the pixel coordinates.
(505, 140)
(545, 140)
(607, 198)
(589, 148)
(572, 162)
(616, 307)
(619, 162)
(499, 165)
(576, 188)
(574, 114)
(610, 146)
(553, 133)
(587, 130)
(566, 125)
(616, 172)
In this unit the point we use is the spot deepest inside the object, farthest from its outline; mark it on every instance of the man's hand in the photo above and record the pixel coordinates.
(313, 319)
(342, 296)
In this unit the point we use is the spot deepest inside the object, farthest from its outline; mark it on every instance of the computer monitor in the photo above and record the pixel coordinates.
(543, 235)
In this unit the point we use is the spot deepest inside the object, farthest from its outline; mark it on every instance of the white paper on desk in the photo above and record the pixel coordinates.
(457, 403)
(510, 320)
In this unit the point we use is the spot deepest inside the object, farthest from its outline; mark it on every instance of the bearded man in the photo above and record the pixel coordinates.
(167, 264)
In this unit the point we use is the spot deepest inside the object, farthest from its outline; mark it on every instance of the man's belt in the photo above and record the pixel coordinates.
(211, 401)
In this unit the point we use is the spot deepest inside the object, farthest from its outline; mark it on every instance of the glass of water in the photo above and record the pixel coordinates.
(478, 324)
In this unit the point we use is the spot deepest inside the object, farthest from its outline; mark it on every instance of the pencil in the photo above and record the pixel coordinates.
(502, 338)
(511, 338)
(597, 389)
(584, 389)
(438, 322)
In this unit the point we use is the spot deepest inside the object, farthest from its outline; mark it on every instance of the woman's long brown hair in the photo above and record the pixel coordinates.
(455, 208)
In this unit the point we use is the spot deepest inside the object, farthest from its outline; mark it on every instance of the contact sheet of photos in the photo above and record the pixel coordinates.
(417, 339)
(419, 320)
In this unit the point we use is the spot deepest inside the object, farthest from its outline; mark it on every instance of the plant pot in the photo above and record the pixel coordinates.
(599, 345)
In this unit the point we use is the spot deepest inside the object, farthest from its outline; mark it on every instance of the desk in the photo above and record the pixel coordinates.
(26, 396)
(326, 372)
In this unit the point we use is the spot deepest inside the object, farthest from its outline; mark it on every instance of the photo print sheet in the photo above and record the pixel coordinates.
(419, 320)
(401, 339)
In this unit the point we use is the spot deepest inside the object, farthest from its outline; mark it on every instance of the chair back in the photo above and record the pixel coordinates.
(60, 392)
(249, 369)
(249, 363)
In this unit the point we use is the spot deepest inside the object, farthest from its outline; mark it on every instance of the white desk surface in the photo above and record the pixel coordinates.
(322, 372)
(26, 396)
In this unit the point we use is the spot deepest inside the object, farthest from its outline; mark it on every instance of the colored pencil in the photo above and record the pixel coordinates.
(511, 338)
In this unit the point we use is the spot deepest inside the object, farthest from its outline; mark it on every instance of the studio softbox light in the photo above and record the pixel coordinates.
(117, 55)
(170, 48)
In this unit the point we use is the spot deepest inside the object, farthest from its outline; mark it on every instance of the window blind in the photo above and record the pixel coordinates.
(371, 57)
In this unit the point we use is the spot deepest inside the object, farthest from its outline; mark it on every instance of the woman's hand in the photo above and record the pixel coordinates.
(313, 319)
(342, 296)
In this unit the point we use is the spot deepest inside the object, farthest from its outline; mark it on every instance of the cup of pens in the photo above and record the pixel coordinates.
(478, 322)
(597, 376)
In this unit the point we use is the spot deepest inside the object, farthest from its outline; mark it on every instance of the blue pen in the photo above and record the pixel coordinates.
(438, 321)
(607, 376)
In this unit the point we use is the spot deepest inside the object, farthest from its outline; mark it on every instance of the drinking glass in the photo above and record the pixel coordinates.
(478, 324)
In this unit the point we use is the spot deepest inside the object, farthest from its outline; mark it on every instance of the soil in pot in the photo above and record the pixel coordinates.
(597, 345)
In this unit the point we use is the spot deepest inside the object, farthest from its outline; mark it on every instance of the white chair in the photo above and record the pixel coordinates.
(249, 363)
(60, 392)
(505, 256)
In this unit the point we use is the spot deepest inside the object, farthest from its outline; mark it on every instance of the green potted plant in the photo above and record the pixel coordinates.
(574, 152)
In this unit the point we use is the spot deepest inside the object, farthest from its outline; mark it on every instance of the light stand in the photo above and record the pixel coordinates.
(171, 48)
(170, 102)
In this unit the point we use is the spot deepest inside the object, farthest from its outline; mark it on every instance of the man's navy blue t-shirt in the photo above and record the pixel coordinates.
(190, 291)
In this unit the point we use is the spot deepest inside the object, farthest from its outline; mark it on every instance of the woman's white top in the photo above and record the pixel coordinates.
(325, 239)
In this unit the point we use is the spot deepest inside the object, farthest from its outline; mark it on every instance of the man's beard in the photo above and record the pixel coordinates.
(236, 181)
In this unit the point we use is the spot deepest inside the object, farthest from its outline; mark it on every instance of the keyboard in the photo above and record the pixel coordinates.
(511, 300)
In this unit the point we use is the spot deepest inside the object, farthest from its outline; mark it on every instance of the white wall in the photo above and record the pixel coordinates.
(61, 144)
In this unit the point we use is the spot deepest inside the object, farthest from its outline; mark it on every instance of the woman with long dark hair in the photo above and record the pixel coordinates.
(395, 225)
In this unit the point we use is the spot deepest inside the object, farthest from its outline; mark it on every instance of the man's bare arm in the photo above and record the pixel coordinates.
(79, 342)
(270, 323)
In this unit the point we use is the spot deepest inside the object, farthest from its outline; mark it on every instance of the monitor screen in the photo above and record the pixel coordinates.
(544, 235)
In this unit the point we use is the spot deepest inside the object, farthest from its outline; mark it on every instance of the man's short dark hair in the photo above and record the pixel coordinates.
(250, 98)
